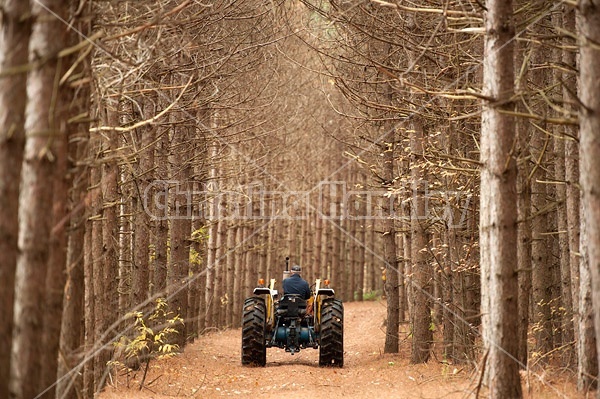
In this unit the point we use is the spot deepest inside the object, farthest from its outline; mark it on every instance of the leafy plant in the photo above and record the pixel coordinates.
(372, 295)
(152, 338)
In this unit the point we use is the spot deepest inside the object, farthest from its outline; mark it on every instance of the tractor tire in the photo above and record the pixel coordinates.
(254, 350)
(331, 342)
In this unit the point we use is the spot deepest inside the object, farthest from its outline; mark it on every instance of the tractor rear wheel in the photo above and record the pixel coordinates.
(331, 342)
(254, 350)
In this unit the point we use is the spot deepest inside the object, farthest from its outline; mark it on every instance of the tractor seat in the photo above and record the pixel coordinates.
(291, 306)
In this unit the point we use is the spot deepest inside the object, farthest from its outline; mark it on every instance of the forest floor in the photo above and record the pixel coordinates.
(210, 368)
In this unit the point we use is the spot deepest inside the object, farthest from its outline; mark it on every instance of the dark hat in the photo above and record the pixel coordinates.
(296, 268)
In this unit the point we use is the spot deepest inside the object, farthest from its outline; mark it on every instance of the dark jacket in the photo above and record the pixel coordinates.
(295, 284)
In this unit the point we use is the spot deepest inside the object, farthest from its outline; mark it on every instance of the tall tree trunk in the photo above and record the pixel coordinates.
(541, 275)
(199, 246)
(140, 274)
(238, 268)
(127, 203)
(70, 354)
(57, 260)
(422, 275)
(317, 248)
(360, 258)
(498, 213)
(44, 124)
(107, 305)
(219, 266)
(233, 278)
(93, 261)
(448, 273)
(589, 152)
(211, 260)
(524, 211)
(572, 161)
(566, 322)
(340, 276)
(587, 362)
(69, 382)
(389, 249)
(160, 206)
(181, 227)
(14, 41)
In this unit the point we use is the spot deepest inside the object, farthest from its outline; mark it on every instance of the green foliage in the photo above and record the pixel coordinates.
(195, 257)
(199, 236)
(153, 335)
(372, 295)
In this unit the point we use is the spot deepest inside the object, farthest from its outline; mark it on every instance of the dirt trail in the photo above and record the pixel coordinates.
(210, 368)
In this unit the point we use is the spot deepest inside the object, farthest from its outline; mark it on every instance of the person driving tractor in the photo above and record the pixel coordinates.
(295, 284)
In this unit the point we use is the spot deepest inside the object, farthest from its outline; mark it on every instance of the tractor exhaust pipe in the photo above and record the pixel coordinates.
(286, 272)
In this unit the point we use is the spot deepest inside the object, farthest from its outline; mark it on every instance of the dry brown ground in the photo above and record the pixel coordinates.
(210, 368)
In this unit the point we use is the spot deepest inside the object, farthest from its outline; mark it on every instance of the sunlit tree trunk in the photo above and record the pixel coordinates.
(571, 134)
(212, 201)
(15, 30)
(587, 366)
(44, 125)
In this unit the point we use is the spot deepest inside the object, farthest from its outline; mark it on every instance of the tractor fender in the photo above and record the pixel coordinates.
(326, 291)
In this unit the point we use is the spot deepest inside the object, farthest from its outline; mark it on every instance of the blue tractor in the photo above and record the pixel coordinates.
(285, 323)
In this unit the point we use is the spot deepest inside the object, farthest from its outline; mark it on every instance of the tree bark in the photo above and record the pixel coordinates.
(587, 361)
(498, 213)
(57, 260)
(159, 206)
(589, 152)
(389, 248)
(524, 258)
(566, 322)
(14, 40)
(181, 227)
(69, 383)
(571, 163)
(211, 261)
(70, 354)
(541, 270)
(92, 262)
(422, 275)
(140, 274)
(107, 305)
(44, 124)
